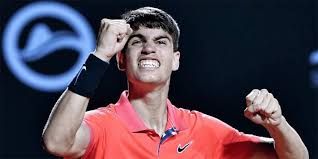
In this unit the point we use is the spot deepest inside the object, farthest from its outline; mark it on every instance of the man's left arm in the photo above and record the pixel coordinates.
(262, 108)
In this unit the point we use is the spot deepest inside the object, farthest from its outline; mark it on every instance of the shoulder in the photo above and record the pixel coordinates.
(212, 126)
(102, 111)
(100, 116)
(202, 118)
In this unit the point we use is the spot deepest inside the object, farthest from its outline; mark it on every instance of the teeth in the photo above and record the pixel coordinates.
(149, 63)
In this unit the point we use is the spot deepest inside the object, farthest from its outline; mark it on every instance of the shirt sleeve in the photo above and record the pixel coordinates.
(232, 144)
(244, 146)
(95, 121)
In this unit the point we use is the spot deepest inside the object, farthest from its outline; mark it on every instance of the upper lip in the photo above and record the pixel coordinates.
(148, 58)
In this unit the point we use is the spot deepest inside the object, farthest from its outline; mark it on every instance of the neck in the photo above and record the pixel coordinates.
(150, 103)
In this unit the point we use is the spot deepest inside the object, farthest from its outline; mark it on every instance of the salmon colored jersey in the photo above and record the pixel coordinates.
(117, 132)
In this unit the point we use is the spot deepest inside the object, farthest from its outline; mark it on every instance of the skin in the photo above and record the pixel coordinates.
(148, 88)
(66, 135)
(264, 109)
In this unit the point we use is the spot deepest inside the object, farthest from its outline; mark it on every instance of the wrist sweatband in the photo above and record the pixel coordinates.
(88, 78)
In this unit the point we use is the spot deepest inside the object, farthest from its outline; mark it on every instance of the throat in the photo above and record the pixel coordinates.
(157, 125)
(151, 106)
(153, 116)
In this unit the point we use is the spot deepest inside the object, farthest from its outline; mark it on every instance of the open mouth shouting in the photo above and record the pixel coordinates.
(148, 64)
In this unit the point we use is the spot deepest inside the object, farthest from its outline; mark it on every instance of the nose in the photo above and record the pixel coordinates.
(148, 48)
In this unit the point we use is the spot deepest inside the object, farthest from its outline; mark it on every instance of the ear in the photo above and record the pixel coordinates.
(175, 62)
(120, 57)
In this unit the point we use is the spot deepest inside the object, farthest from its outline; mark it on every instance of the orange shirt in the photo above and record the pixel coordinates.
(118, 133)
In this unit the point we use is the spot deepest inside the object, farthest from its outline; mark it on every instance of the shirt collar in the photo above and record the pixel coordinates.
(126, 112)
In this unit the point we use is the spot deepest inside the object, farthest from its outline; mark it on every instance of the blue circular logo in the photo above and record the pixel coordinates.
(313, 61)
(42, 41)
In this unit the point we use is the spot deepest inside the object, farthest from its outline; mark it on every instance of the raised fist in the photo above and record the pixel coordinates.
(112, 37)
(262, 108)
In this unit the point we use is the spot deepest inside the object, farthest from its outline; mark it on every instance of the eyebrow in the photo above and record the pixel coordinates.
(162, 37)
(136, 35)
(140, 36)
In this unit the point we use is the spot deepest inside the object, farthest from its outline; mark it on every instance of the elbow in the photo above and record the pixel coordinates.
(305, 154)
(50, 146)
(301, 153)
(55, 145)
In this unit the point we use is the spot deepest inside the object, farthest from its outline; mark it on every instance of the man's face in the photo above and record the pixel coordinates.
(149, 56)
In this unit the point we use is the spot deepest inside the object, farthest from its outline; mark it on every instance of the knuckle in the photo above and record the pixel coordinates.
(123, 21)
(276, 101)
(255, 90)
(271, 95)
(104, 20)
(119, 21)
(263, 93)
(264, 90)
(113, 27)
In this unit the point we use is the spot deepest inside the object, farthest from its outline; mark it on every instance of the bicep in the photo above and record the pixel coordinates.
(81, 142)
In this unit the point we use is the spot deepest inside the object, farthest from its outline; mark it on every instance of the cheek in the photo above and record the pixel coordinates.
(131, 57)
(130, 63)
(169, 60)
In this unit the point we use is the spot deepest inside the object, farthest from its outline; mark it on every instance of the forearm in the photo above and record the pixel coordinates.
(64, 121)
(288, 144)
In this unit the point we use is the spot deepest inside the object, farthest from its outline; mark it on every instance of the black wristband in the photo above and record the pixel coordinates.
(88, 78)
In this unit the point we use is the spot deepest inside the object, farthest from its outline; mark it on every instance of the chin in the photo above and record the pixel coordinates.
(147, 78)
(150, 80)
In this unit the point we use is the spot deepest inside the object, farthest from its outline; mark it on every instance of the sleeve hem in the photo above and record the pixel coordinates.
(91, 139)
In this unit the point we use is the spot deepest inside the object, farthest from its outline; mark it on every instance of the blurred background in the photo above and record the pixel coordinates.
(228, 48)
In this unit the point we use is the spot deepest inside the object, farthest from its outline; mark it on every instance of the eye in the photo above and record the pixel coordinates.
(136, 42)
(162, 42)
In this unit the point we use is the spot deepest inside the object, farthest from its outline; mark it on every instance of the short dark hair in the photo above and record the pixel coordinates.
(150, 17)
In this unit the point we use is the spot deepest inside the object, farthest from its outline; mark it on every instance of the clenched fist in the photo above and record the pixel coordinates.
(112, 37)
(262, 108)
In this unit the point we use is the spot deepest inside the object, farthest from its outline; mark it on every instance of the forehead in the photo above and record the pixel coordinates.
(149, 33)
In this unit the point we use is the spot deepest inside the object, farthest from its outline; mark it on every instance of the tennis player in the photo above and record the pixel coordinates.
(144, 124)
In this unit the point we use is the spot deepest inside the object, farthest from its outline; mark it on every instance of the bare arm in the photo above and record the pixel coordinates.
(64, 133)
(264, 109)
(288, 143)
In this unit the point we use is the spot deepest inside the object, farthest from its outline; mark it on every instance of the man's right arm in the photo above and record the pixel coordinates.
(64, 133)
